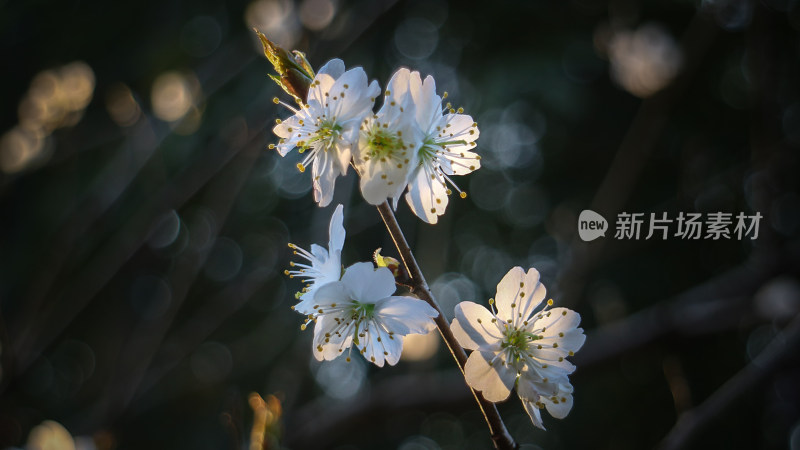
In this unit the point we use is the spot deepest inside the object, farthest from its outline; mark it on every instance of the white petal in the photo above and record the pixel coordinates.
(531, 386)
(518, 294)
(549, 370)
(373, 90)
(571, 342)
(336, 231)
(473, 327)
(330, 270)
(382, 180)
(557, 320)
(428, 104)
(494, 381)
(461, 127)
(467, 163)
(324, 175)
(367, 284)
(393, 346)
(324, 83)
(398, 84)
(319, 253)
(553, 357)
(356, 102)
(533, 413)
(334, 68)
(328, 345)
(282, 129)
(372, 345)
(330, 293)
(343, 155)
(405, 315)
(306, 304)
(560, 404)
(426, 197)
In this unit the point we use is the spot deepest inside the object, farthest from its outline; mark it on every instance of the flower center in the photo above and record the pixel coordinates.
(382, 143)
(327, 132)
(516, 341)
(362, 311)
(427, 151)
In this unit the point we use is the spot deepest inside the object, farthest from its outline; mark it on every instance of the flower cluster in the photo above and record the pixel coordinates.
(413, 143)
(355, 306)
(520, 343)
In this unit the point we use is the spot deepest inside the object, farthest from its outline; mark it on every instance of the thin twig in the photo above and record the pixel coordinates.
(500, 435)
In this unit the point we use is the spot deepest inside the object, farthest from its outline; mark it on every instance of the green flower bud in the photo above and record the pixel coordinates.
(294, 71)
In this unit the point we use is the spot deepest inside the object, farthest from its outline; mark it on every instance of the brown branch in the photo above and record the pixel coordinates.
(500, 435)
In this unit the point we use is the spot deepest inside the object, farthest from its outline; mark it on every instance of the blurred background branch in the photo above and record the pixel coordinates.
(143, 224)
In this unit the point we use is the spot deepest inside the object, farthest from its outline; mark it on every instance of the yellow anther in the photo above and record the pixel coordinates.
(463, 194)
(301, 167)
(550, 302)
(275, 100)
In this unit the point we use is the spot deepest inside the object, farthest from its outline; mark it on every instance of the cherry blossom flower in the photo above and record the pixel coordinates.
(327, 125)
(360, 310)
(521, 342)
(324, 266)
(447, 139)
(387, 149)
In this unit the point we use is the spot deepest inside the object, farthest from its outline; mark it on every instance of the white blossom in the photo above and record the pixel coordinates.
(326, 126)
(360, 310)
(520, 342)
(323, 266)
(447, 138)
(387, 148)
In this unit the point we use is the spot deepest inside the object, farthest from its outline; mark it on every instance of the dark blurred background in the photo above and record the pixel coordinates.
(143, 222)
